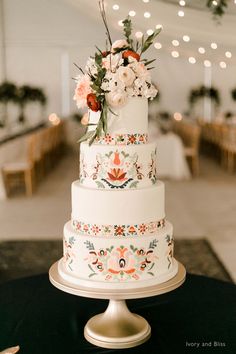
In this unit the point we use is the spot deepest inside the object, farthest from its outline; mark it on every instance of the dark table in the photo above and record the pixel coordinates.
(199, 317)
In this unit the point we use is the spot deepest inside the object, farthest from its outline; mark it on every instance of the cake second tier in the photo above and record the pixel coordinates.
(119, 212)
(118, 166)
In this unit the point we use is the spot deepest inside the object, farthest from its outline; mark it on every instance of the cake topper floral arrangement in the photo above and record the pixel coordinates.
(113, 75)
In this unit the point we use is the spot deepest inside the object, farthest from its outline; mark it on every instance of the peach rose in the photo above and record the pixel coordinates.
(116, 98)
(126, 75)
(82, 90)
(120, 43)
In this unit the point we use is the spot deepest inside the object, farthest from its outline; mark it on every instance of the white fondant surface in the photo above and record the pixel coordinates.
(131, 261)
(131, 118)
(118, 207)
(117, 167)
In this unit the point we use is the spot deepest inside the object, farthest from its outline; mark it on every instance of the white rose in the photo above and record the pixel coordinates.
(126, 75)
(116, 98)
(120, 43)
(112, 62)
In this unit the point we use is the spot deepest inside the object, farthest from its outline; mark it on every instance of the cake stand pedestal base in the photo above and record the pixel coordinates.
(117, 327)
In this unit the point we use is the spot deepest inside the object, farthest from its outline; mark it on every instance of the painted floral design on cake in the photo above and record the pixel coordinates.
(118, 170)
(152, 174)
(121, 263)
(123, 139)
(117, 230)
(69, 256)
(170, 251)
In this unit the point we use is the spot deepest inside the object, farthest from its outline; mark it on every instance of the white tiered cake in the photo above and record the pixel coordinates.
(118, 235)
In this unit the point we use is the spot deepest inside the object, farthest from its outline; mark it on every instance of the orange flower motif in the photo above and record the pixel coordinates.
(132, 230)
(117, 174)
(132, 139)
(116, 160)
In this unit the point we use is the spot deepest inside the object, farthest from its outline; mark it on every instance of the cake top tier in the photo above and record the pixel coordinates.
(111, 78)
(124, 123)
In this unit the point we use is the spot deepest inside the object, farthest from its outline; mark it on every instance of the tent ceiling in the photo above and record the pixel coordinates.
(201, 5)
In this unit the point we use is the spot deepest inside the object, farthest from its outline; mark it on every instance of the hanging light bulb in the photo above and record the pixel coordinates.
(175, 54)
(192, 60)
(158, 45)
(213, 45)
(223, 65)
(228, 54)
(147, 14)
(186, 38)
(181, 13)
(201, 50)
(175, 43)
(132, 13)
(207, 63)
(115, 7)
(139, 35)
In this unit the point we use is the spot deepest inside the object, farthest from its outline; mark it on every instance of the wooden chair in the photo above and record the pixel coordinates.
(14, 171)
(228, 147)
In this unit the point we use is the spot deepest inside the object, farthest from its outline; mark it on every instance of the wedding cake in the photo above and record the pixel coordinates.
(118, 235)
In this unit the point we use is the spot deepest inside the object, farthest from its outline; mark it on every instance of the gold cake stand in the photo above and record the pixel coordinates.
(117, 327)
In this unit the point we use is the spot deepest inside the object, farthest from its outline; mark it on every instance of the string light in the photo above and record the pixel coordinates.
(181, 13)
(228, 54)
(186, 38)
(175, 43)
(149, 32)
(175, 54)
(178, 116)
(120, 23)
(146, 1)
(223, 65)
(115, 7)
(139, 35)
(182, 3)
(159, 26)
(192, 60)
(201, 50)
(158, 45)
(214, 2)
(132, 13)
(147, 14)
(213, 45)
(207, 63)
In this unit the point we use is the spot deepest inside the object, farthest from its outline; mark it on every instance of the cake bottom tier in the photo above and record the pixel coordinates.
(112, 262)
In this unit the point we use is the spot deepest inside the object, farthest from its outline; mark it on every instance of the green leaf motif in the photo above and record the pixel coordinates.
(134, 184)
(151, 273)
(100, 184)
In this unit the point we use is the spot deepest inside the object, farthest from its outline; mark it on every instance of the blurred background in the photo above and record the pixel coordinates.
(192, 120)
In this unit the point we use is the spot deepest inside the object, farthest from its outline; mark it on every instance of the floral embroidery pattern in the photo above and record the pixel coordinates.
(123, 139)
(170, 251)
(83, 168)
(152, 174)
(68, 253)
(117, 230)
(117, 170)
(121, 263)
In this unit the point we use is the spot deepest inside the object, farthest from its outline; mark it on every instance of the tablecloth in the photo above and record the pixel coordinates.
(199, 317)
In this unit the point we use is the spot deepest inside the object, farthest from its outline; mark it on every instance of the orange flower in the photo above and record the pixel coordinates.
(130, 53)
(117, 174)
(93, 103)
